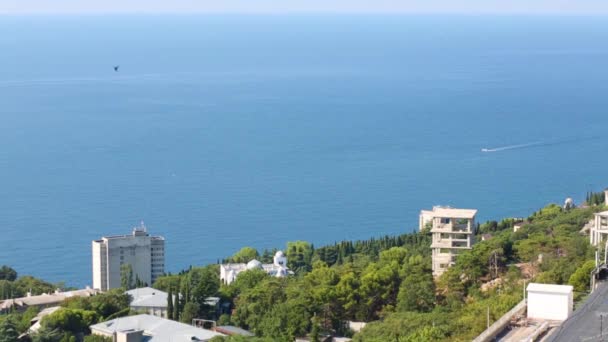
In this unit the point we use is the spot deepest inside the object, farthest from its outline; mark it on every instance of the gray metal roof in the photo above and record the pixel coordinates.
(148, 297)
(232, 330)
(155, 329)
(585, 324)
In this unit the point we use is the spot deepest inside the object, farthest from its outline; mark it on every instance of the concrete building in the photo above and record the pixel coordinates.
(145, 254)
(147, 328)
(229, 272)
(452, 233)
(549, 301)
(599, 229)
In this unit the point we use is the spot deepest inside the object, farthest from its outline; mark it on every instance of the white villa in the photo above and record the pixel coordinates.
(229, 272)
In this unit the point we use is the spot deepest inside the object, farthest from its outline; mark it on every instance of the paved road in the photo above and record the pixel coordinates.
(585, 324)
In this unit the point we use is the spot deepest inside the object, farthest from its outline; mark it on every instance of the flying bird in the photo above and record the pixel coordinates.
(116, 67)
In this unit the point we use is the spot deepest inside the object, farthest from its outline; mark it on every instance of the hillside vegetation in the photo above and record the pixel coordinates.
(388, 282)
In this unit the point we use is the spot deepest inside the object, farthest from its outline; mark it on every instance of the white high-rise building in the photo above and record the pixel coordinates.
(145, 254)
(452, 230)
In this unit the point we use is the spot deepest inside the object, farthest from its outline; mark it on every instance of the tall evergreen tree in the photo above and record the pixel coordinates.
(176, 307)
(170, 304)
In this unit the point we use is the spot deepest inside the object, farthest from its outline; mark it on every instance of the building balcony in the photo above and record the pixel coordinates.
(450, 245)
(448, 228)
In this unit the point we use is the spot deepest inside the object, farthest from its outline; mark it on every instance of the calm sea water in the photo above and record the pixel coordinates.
(221, 132)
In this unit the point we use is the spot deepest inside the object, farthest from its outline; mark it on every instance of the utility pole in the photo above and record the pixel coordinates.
(601, 327)
(493, 265)
(488, 318)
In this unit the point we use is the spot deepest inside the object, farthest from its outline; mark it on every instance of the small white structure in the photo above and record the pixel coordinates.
(549, 301)
(229, 272)
(569, 203)
(519, 225)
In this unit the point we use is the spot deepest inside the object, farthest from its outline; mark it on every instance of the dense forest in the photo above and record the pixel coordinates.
(386, 282)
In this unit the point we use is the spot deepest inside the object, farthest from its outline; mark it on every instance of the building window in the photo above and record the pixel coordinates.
(445, 220)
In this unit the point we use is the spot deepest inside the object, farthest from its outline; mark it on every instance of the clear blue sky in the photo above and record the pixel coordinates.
(575, 7)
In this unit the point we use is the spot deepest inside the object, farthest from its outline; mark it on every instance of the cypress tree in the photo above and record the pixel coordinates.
(176, 307)
(170, 304)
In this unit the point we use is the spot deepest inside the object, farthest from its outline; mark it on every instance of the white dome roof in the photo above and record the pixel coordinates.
(253, 264)
(279, 254)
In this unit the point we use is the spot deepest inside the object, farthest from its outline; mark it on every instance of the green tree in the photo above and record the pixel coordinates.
(176, 307)
(36, 286)
(8, 330)
(417, 290)
(190, 312)
(379, 288)
(70, 320)
(165, 282)
(170, 304)
(245, 255)
(299, 256)
(203, 282)
(45, 334)
(224, 320)
(106, 304)
(126, 277)
(580, 279)
(7, 273)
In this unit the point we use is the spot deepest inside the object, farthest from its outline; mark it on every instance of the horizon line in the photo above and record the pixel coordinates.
(311, 12)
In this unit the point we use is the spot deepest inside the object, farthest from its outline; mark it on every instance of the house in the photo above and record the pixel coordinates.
(517, 226)
(549, 301)
(35, 322)
(229, 272)
(44, 300)
(154, 302)
(148, 328)
(149, 300)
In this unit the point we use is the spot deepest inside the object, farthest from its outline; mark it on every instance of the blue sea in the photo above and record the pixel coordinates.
(227, 131)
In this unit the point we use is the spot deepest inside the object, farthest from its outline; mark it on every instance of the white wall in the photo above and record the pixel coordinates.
(97, 266)
(549, 306)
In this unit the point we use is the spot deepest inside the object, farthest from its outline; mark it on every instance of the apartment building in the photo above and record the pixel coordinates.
(145, 254)
(453, 232)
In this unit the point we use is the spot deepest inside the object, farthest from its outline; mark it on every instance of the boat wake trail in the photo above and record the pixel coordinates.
(573, 140)
(512, 147)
